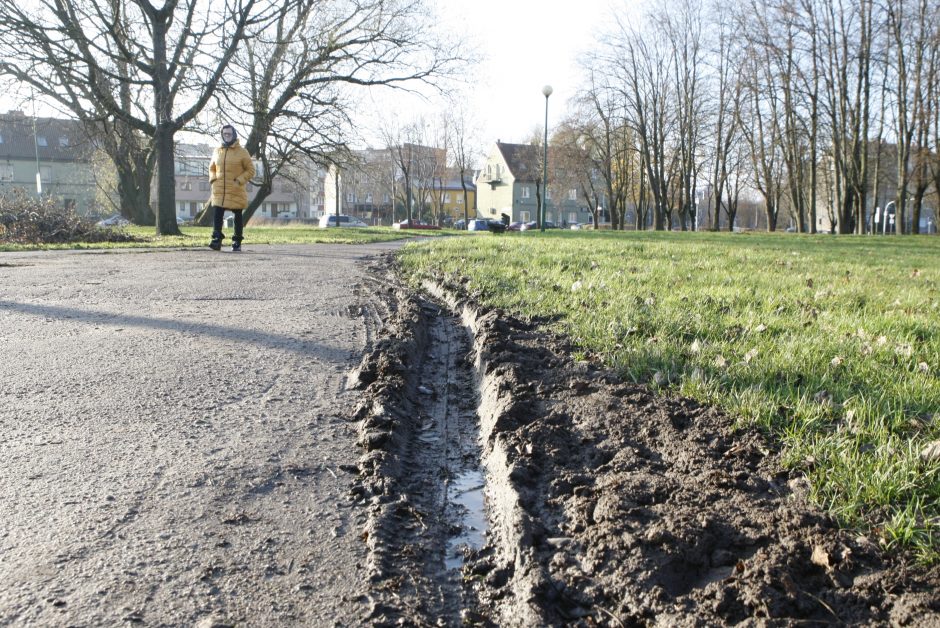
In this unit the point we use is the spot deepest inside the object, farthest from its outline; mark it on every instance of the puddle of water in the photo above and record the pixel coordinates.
(465, 496)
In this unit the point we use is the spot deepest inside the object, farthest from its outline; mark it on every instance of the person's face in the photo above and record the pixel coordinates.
(227, 135)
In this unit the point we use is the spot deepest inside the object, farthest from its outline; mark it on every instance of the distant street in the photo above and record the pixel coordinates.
(173, 440)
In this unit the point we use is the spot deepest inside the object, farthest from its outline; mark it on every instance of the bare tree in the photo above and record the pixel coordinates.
(88, 55)
(576, 166)
(914, 42)
(724, 115)
(464, 154)
(415, 161)
(643, 65)
(682, 24)
(297, 78)
(760, 119)
(596, 118)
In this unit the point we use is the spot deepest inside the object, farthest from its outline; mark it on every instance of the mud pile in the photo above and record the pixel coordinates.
(608, 504)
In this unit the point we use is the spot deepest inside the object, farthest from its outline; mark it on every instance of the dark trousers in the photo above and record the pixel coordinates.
(217, 224)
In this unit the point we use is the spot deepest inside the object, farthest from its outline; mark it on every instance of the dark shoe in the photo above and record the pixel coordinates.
(216, 245)
(236, 247)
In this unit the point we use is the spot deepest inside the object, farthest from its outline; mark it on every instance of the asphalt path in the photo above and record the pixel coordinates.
(174, 442)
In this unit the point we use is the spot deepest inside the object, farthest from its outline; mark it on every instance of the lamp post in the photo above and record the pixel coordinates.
(546, 91)
(32, 97)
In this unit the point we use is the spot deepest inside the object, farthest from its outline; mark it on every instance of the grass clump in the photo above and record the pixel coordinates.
(830, 344)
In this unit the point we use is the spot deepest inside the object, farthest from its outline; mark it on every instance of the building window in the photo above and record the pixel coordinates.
(459, 200)
(1, 138)
(186, 186)
(63, 141)
(6, 172)
(369, 198)
(572, 194)
(447, 198)
(41, 140)
(525, 191)
(203, 186)
(524, 216)
(548, 195)
(351, 197)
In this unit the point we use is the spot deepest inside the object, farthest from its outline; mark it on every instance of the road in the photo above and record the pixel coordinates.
(174, 442)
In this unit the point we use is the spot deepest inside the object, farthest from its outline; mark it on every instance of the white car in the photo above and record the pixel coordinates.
(116, 220)
(330, 220)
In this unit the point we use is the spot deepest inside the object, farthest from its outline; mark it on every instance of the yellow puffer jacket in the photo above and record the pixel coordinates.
(229, 173)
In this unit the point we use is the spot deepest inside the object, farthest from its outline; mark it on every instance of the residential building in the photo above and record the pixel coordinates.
(508, 188)
(58, 150)
(363, 187)
(449, 196)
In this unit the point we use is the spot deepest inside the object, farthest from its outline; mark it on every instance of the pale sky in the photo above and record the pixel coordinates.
(527, 44)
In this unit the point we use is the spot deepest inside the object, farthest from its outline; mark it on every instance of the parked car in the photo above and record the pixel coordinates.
(332, 220)
(496, 226)
(534, 225)
(478, 224)
(460, 224)
(515, 226)
(413, 224)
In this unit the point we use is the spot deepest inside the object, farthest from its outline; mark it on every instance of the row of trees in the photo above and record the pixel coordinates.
(137, 72)
(819, 105)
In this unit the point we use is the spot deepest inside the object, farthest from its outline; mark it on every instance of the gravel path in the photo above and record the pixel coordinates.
(173, 447)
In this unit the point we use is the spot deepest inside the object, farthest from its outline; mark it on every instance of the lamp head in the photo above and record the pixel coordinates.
(547, 91)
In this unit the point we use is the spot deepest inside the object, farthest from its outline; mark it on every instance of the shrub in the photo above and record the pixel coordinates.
(27, 220)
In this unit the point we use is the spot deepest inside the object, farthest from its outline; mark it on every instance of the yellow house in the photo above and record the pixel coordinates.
(450, 196)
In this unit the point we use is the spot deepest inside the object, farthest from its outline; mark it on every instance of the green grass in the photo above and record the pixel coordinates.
(830, 344)
(199, 237)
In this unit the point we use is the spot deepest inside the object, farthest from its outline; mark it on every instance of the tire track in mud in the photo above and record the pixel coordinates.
(607, 504)
(421, 436)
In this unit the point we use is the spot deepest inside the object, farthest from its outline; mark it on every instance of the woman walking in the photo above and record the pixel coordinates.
(229, 173)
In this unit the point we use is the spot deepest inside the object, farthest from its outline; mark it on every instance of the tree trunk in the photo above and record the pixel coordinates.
(134, 193)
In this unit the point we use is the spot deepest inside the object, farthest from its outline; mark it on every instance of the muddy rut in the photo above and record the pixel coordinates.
(509, 485)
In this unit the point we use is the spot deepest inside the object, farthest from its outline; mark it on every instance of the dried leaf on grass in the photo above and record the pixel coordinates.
(931, 453)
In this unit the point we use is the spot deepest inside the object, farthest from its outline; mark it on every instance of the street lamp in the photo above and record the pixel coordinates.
(546, 91)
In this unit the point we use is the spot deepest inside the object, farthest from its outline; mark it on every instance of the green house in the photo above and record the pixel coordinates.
(55, 149)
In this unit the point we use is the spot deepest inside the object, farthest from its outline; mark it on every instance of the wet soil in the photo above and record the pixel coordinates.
(607, 504)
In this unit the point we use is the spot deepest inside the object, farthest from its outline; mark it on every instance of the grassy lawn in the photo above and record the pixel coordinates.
(831, 344)
(199, 237)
